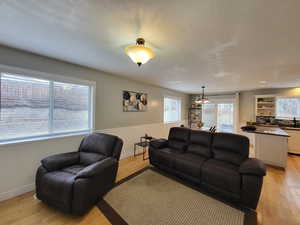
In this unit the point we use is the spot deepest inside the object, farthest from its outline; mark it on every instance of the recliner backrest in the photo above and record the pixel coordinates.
(178, 138)
(96, 146)
(232, 148)
(200, 143)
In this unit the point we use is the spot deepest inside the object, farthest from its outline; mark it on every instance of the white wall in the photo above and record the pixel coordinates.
(18, 162)
(247, 104)
(247, 100)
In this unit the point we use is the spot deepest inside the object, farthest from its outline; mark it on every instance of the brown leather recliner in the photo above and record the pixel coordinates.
(73, 182)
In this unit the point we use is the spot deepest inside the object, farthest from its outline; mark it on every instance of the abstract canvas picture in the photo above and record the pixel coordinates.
(134, 101)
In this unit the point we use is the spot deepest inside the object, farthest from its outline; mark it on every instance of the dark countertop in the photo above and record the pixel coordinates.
(281, 127)
(269, 131)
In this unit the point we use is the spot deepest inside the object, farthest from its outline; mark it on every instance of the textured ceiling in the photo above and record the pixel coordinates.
(226, 45)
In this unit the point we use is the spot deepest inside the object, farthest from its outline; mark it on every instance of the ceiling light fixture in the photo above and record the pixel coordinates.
(139, 53)
(203, 99)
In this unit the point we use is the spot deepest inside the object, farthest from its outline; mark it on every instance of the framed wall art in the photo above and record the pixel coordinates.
(134, 101)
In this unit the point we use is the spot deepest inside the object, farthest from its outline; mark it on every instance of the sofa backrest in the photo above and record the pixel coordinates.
(178, 138)
(96, 146)
(232, 148)
(200, 143)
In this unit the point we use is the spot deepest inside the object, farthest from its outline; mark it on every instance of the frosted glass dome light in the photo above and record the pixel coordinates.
(139, 53)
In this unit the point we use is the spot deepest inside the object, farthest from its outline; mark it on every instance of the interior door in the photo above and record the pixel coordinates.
(225, 118)
(220, 115)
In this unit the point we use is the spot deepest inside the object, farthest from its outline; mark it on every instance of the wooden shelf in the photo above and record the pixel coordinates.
(265, 105)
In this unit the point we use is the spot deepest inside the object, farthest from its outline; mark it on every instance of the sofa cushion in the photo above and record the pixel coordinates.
(87, 158)
(73, 169)
(200, 143)
(159, 143)
(189, 164)
(231, 148)
(179, 134)
(98, 143)
(178, 138)
(222, 175)
(177, 145)
(165, 156)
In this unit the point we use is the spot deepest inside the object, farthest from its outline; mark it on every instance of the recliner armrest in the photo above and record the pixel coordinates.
(159, 143)
(58, 161)
(253, 166)
(97, 168)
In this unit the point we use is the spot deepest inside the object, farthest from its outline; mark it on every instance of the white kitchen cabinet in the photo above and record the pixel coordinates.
(271, 149)
(294, 141)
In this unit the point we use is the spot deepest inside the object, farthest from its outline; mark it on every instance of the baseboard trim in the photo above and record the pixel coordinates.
(17, 191)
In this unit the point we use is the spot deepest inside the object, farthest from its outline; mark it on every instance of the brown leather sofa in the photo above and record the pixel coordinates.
(73, 182)
(218, 162)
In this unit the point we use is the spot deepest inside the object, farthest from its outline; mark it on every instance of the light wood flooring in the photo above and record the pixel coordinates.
(279, 203)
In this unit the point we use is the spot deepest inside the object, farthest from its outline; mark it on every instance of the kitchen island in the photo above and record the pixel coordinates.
(271, 145)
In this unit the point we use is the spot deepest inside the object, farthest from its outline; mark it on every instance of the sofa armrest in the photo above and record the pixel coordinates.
(97, 168)
(159, 143)
(253, 166)
(56, 162)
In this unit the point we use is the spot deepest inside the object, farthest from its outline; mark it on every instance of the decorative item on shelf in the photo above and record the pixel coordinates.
(134, 101)
(200, 124)
(139, 53)
(203, 99)
(194, 116)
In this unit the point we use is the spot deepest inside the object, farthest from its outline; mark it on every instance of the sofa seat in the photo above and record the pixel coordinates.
(58, 186)
(189, 164)
(73, 169)
(222, 175)
(166, 156)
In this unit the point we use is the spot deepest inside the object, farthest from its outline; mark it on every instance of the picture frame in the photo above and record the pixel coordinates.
(135, 101)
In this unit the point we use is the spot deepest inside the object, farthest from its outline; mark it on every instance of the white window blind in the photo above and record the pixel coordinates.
(33, 107)
(172, 109)
(287, 108)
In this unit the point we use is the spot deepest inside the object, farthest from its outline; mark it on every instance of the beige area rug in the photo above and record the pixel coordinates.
(151, 198)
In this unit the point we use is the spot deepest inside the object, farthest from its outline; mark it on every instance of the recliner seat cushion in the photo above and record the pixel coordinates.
(98, 143)
(200, 143)
(73, 169)
(87, 158)
(230, 148)
(222, 175)
(189, 164)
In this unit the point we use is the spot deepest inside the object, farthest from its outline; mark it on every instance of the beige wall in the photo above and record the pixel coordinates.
(108, 92)
(247, 100)
(18, 162)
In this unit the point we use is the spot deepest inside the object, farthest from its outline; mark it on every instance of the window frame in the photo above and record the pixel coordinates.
(276, 107)
(52, 78)
(180, 109)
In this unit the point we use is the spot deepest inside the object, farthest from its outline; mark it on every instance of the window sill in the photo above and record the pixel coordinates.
(43, 138)
(178, 121)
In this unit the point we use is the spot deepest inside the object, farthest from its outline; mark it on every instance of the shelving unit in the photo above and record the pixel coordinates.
(195, 116)
(265, 105)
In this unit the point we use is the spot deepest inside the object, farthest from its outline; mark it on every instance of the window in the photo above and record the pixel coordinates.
(172, 109)
(31, 107)
(287, 108)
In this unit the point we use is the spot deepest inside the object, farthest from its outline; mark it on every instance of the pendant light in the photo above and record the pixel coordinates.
(203, 99)
(139, 53)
